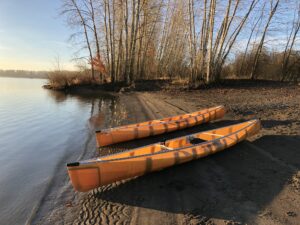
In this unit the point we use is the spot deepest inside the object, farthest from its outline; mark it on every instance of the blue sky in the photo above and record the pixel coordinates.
(32, 34)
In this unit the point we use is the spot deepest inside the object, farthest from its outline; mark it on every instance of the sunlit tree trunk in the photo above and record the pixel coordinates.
(211, 19)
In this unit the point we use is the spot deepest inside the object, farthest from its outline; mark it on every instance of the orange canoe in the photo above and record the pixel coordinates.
(155, 127)
(90, 174)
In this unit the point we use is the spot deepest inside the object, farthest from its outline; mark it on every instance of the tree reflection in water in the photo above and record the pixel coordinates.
(106, 110)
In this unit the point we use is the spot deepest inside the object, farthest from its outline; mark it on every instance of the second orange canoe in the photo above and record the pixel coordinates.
(156, 127)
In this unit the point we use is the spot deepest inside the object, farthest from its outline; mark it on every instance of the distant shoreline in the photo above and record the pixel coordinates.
(27, 77)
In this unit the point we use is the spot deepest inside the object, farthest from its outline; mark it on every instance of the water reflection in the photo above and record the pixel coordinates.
(57, 96)
(105, 108)
(40, 131)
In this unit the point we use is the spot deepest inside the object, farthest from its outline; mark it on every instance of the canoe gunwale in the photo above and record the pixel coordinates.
(99, 160)
(119, 128)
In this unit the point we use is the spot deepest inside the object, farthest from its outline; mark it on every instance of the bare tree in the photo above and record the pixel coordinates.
(191, 40)
(273, 8)
(249, 40)
(290, 44)
(84, 25)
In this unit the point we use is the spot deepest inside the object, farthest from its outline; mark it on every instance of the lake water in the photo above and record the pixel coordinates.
(41, 130)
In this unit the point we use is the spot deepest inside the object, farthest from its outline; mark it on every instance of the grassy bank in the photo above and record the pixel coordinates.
(81, 80)
(76, 80)
(61, 80)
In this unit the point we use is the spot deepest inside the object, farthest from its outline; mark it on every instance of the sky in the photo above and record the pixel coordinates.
(32, 35)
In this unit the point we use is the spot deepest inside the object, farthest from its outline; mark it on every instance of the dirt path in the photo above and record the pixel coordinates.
(255, 182)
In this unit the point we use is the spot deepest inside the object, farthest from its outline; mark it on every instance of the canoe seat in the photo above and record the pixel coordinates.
(166, 148)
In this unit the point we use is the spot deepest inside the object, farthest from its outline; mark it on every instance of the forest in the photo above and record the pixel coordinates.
(198, 41)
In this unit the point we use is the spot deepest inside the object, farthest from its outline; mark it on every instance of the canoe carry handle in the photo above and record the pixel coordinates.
(73, 164)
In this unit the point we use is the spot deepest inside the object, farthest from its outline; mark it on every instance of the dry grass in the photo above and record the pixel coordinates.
(65, 79)
(269, 66)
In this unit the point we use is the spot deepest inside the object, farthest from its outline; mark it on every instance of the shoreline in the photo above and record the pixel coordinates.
(168, 85)
(256, 170)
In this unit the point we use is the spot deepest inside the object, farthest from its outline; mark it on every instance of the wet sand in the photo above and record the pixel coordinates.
(255, 182)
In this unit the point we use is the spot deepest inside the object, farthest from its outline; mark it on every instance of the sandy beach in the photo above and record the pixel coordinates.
(255, 182)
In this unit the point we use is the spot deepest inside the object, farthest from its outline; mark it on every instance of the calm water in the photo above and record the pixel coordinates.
(41, 130)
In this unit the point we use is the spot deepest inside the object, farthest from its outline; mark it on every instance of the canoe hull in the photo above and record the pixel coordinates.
(156, 127)
(92, 175)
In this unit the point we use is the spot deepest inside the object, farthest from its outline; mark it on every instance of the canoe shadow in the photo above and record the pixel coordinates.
(236, 184)
(275, 123)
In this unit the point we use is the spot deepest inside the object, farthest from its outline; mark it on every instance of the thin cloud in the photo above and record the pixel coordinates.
(4, 47)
